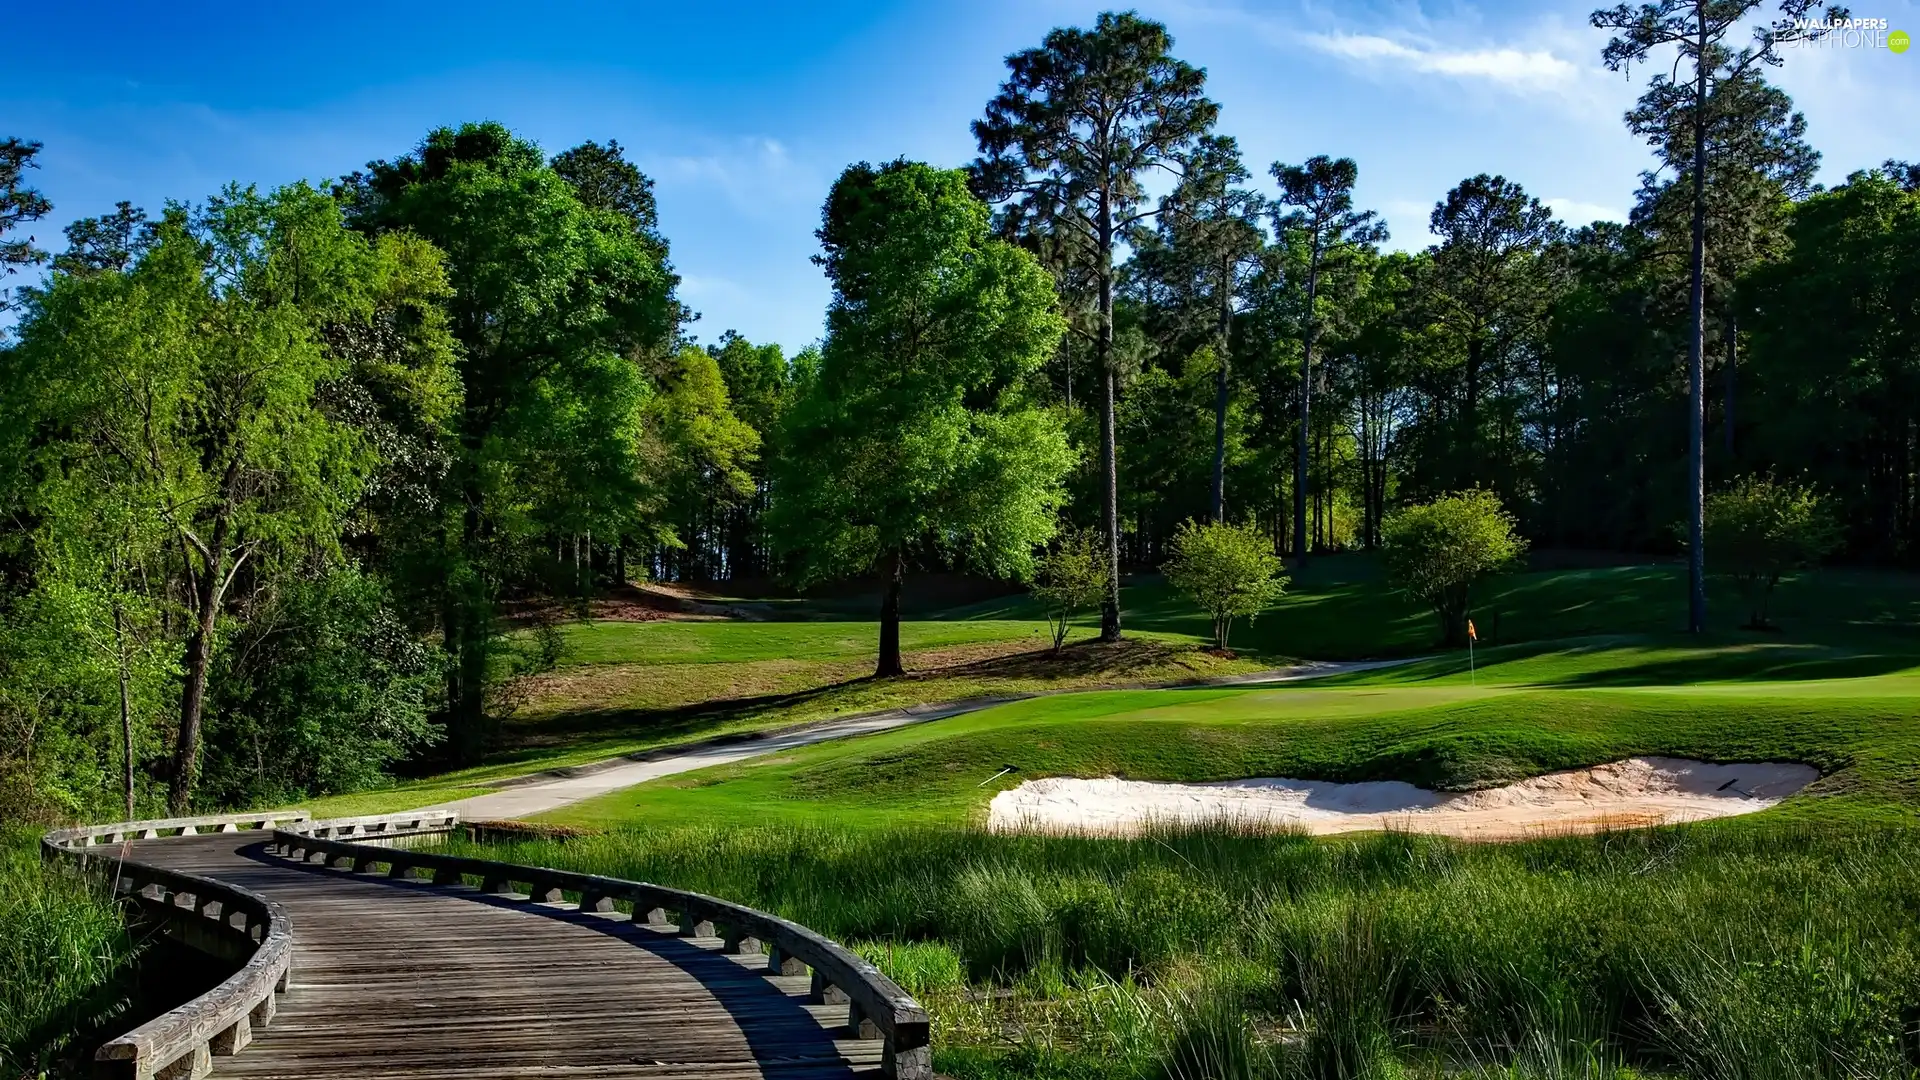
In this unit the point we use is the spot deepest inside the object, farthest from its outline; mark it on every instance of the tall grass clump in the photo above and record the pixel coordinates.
(1732, 951)
(65, 960)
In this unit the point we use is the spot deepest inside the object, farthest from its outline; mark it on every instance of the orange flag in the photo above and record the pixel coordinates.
(1470, 634)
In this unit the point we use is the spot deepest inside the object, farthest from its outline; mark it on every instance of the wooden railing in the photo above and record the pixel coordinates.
(181, 1043)
(877, 1008)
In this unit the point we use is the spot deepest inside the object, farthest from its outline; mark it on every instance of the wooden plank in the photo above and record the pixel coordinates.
(398, 978)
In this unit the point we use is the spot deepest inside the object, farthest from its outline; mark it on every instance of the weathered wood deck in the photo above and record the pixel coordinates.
(401, 978)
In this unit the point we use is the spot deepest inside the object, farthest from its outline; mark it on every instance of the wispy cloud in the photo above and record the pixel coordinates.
(1511, 67)
(754, 173)
(1576, 213)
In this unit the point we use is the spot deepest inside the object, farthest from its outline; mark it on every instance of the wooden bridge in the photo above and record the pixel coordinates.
(362, 952)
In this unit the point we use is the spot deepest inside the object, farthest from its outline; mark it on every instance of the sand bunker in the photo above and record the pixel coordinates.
(1633, 793)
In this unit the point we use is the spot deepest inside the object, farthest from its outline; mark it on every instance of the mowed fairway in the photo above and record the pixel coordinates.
(1852, 712)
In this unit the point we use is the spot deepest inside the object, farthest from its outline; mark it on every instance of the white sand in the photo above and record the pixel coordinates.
(1625, 794)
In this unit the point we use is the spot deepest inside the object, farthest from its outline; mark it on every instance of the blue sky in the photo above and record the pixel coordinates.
(744, 113)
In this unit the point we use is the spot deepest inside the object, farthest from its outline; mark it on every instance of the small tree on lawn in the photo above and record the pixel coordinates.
(1071, 579)
(1759, 529)
(1230, 570)
(1436, 552)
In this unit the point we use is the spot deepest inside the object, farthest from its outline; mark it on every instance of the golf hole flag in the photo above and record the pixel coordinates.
(1471, 636)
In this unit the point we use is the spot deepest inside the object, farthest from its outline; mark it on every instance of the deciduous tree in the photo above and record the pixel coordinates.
(1761, 529)
(1229, 570)
(913, 430)
(1070, 579)
(1436, 552)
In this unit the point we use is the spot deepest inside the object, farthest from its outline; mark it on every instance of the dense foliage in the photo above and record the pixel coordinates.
(915, 431)
(452, 395)
(1229, 571)
(1436, 552)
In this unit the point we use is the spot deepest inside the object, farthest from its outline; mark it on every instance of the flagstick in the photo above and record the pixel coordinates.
(1471, 673)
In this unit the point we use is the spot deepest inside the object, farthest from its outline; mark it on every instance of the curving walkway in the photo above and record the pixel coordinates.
(365, 950)
(540, 792)
(407, 979)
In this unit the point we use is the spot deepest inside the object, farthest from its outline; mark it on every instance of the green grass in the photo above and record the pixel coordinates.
(627, 687)
(65, 961)
(1337, 608)
(725, 642)
(1864, 735)
(1743, 948)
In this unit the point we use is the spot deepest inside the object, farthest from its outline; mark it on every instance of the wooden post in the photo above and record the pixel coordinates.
(859, 1024)
(823, 992)
(903, 1062)
(779, 962)
(234, 1039)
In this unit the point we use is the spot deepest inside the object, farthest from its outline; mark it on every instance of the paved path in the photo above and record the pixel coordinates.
(408, 980)
(528, 796)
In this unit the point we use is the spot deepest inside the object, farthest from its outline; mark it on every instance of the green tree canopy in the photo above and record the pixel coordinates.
(19, 204)
(1436, 552)
(1229, 570)
(183, 405)
(1759, 529)
(912, 431)
(553, 301)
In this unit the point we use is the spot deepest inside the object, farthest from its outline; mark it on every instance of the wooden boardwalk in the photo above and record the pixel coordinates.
(401, 978)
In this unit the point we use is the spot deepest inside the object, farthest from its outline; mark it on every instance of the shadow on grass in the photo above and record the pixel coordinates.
(1084, 662)
(1643, 660)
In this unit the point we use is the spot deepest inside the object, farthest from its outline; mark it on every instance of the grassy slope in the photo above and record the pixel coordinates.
(1838, 688)
(628, 687)
(624, 687)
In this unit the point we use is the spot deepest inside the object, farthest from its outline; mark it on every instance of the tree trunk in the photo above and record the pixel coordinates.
(1470, 414)
(1220, 399)
(1109, 464)
(1733, 367)
(126, 709)
(890, 665)
(1696, 349)
(466, 638)
(199, 654)
(1306, 409)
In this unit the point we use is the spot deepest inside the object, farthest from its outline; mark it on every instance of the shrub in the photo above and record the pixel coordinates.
(1229, 570)
(1436, 552)
(1071, 579)
(1758, 530)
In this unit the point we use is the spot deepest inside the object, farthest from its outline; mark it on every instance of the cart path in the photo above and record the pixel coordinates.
(549, 791)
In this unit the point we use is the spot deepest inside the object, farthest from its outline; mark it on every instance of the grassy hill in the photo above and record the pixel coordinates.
(1771, 946)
